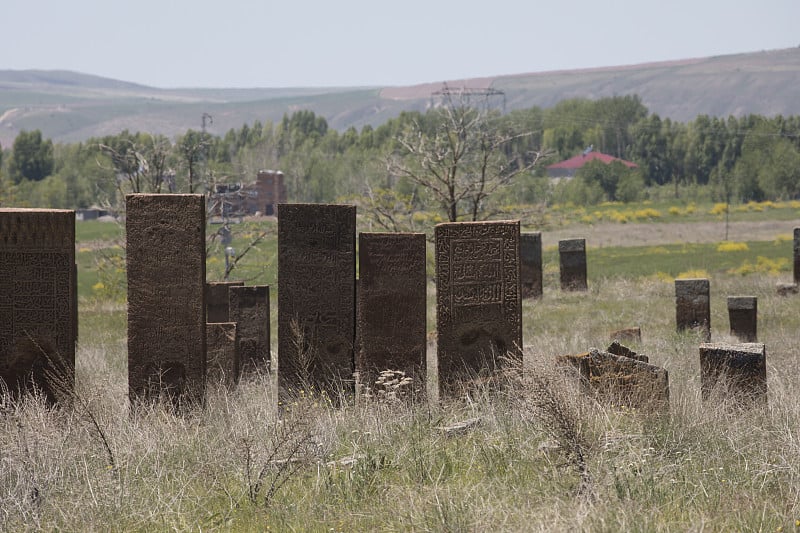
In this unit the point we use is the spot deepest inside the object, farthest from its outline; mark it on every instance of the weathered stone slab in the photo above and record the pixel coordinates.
(623, 381)
(222, 360)
(618, 349)
(530, 267)
(166, 254)
(572, 258)
(38, 300)
(796, 250)
(743, 315)
(249, 308)
(217, 306)
(786, 289)
(693, 306)
(316, 296)
(627, 334)
(392, 306)
(478, 304)
(737, 370)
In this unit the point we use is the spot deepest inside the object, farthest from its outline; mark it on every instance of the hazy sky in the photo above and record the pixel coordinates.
(290, 43)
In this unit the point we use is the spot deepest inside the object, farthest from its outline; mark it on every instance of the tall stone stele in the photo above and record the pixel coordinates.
(38, 301)
(166, 260)
(478, 303)
(530, 267)
(392, 307)
(316, 297)
(796, 250)
(693, 306)
(572, 258)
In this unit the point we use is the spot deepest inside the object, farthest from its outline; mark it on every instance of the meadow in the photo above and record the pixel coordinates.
(390, 466)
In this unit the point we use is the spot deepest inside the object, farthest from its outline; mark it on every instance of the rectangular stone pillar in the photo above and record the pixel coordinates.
(739, 370)
(222, 354)
(38, 300)
(478, 304)
(796, 249)
(217, 306)
(316, 296)
(572, 257)
(166, 260)
(392, 307)
(530, 267)
(743, 314)
(249, 309)
(693, 306)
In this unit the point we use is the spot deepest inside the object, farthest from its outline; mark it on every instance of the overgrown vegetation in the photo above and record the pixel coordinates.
(541, 457)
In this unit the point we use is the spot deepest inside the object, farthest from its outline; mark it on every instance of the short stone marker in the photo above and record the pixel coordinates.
(38, 301)
(166, 259)
(740, 370)
(249, 309)
(530, 264)
(618, 349)
(693, 306)
(796, 250)
(217, 306)
(222, 360)
(623, 381)
(627, 334)
(478, 304)
(572, 258)
(316, 296)
(786, 289)
(392, 307)
(743, 315)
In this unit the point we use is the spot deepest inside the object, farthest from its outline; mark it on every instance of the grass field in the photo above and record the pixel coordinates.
(382, 466)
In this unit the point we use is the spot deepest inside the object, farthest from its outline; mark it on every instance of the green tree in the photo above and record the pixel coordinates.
(31, 157)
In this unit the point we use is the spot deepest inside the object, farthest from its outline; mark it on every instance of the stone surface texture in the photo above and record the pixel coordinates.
(743, 316)
(392, 306)
(166, 260)
(530, 267)
(38, 299)
(572, 259)
(735, 371)
(249, 309)
(693, 306)
(316, 296)
(478, 303)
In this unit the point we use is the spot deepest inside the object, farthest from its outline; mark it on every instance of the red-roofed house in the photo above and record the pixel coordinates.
(568, 168)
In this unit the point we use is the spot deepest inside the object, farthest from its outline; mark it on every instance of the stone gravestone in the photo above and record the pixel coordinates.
(530, 264)
(316, 296)
(796, 249)
(740, 370)
(166, 259)
(38, 297)
(249, 308)
(620, 380)
(217, 306)
(743, 314)
(392, 307)
(692, 306)
(572, 257)
(222, 354)
(478, 304)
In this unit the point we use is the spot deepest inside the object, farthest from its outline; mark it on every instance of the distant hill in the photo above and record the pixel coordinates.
(68, 106)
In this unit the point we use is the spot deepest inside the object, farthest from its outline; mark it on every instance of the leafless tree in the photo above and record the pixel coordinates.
(462, 158)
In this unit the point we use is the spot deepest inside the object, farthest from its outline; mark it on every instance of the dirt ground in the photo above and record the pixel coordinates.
(612, 234)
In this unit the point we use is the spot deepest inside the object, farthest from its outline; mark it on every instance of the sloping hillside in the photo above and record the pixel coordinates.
(68, 106)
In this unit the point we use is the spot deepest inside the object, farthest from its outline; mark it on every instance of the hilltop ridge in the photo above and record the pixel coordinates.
(68, 106)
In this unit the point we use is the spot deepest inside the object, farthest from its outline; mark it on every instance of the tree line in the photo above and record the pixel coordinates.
(737, 158)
